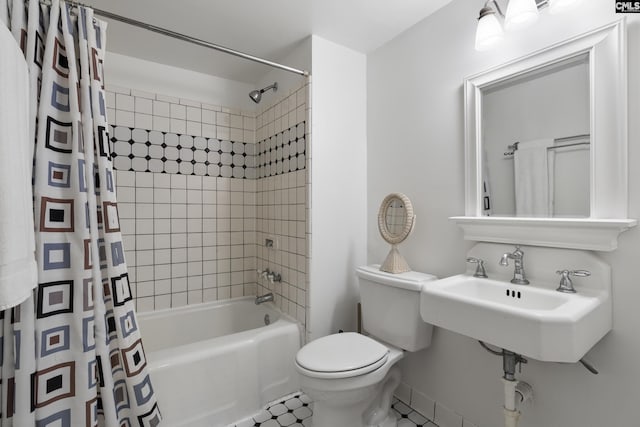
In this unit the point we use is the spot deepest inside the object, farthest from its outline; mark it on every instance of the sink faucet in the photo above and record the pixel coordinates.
(517, 256)
(264, 298)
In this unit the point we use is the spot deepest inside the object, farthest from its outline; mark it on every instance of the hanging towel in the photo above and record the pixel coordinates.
(18, 268)
(533, 164)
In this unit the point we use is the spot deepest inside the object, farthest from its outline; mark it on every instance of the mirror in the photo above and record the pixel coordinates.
(395, 222)
(536, 142)
(395, 216)
(550, 173)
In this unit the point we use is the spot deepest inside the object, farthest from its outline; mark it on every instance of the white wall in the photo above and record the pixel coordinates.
(415, 131)
(130, 72)
(338, 182)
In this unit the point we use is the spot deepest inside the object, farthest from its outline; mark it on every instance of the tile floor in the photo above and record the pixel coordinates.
(296, 411)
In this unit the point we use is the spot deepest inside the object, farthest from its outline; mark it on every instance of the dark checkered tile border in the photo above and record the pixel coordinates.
(283, 152)
(142, 150)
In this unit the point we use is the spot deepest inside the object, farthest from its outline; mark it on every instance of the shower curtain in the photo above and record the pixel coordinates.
(72, 354)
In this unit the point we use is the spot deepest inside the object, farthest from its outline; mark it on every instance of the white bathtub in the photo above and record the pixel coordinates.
(215, 363)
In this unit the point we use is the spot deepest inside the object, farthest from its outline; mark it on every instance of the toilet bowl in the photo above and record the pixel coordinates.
(351, 377)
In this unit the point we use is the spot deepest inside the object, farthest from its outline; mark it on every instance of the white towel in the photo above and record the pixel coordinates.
(533, 164)
(18, 268)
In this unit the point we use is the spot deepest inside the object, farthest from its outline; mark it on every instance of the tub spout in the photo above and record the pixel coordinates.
(264, 298)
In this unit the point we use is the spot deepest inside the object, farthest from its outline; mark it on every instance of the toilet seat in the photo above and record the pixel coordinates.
(342, 355)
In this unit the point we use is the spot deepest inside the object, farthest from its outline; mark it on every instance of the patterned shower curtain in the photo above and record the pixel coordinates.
(72, 354)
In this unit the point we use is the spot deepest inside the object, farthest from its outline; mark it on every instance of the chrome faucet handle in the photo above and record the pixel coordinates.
(480, 271)
(263, 273)
(566, 285)
(274, 277)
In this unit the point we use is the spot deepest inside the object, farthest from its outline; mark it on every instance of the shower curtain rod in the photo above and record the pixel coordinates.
(184, 37)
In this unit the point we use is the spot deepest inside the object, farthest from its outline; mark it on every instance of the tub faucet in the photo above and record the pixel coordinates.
(517, 256)
(264, 298)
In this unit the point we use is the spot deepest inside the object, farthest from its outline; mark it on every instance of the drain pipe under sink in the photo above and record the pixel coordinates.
(515, 391)
(518, 392)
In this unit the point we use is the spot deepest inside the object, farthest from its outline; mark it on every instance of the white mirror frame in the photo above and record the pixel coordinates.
(607, 52)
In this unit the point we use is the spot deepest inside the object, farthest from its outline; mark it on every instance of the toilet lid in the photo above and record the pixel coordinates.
(342, 353)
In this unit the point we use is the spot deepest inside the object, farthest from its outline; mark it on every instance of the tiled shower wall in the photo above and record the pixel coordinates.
(282, 200)
(188, 239)
(137, 109)
(281, 217)
(200, 187)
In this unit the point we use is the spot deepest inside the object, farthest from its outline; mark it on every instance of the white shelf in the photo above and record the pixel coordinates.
(587, 233)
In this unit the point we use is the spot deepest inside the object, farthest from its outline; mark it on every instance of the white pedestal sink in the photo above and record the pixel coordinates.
(532, 320)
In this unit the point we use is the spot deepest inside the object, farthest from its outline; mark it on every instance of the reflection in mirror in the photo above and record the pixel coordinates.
(395, 217)
(536, 144)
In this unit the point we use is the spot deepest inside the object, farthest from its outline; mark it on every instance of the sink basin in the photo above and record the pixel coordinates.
(534, 321)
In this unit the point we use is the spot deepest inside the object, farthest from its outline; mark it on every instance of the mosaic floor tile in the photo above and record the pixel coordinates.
(407, 417)
(292, 411)
(296, 411)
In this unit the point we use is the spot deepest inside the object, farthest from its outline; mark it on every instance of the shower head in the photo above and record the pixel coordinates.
(256, 95)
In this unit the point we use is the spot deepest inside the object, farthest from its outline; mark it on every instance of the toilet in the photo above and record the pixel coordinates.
(351, 377)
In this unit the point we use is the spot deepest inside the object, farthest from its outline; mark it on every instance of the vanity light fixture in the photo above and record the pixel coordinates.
(556, 6)
(489, 30)
(520, 14)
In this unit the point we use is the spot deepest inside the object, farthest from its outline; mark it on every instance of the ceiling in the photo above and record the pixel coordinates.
(265, 28)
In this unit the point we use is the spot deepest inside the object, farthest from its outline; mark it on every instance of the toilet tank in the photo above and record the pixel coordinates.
(391, 307)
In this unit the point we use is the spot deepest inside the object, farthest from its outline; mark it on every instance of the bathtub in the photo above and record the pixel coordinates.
(215, 363)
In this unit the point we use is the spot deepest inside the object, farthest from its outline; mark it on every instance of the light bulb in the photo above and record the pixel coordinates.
(489, 30)
(556, 6)
(520, 14)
